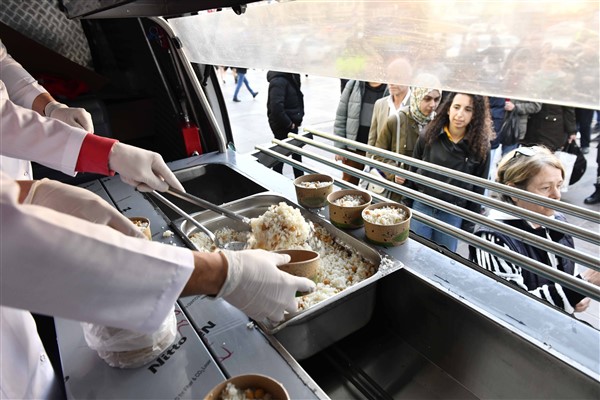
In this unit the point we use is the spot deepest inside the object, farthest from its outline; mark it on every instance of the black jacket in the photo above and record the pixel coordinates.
(497, 111)
(445, 153)
(285, 104)
(551, 126)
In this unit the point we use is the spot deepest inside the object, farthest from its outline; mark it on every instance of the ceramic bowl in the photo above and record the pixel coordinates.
(304, 263)
(312, 190)
(143, 225)
(253, 382)
(387, 234)
(348, 216)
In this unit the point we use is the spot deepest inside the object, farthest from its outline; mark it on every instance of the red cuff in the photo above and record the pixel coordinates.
(93, 155)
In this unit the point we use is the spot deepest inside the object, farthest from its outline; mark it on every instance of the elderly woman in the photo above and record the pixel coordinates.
(401, 130)
(536, 170)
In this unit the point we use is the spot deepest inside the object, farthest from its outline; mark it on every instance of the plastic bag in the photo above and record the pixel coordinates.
(372, 187)
(568, 161)
(123, 348)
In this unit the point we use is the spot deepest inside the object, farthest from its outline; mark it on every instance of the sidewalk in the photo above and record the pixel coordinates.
(321, 95)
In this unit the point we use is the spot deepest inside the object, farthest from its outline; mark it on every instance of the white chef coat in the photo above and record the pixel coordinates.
(56, 264)
(22, 89)
(25, 134)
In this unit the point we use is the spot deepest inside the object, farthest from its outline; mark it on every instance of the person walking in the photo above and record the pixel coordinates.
(242, 80)
(285, 109)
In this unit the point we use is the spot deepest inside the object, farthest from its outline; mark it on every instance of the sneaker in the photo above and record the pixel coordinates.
(585, 150)
(236, 100)
(254, 94)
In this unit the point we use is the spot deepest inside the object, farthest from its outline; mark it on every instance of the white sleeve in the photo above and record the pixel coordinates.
(56, 264)
(21, 86)
(27, 135)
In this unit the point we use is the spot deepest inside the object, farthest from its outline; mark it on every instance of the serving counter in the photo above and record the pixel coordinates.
(440, 327)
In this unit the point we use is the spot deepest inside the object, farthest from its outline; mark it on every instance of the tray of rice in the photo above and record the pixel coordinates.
(345, 296)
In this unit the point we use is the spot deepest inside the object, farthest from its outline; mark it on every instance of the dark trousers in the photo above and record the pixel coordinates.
(297, 172)
(584, 119)
(295, 156)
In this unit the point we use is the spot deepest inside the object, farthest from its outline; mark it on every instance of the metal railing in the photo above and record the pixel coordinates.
(537, 267)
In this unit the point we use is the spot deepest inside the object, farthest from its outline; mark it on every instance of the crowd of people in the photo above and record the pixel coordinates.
(462, 134)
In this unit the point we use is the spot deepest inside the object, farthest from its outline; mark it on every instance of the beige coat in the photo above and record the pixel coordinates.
(404, 144)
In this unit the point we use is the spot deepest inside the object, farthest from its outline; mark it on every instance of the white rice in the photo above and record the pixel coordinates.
(385, 215)
(224, 235)
(280, 227)
(231, 392)
(313, 184)
(349, 200)
(140, 224)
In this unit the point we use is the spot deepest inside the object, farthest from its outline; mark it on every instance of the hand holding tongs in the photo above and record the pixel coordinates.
(206, 204)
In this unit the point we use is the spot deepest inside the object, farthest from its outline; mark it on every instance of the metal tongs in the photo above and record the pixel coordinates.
(206, 204)
(227, 246)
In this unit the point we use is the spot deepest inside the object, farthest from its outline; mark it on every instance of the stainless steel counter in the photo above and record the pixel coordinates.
(438, 305)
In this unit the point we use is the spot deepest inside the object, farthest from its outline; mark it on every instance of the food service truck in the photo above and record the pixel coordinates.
(426, 323)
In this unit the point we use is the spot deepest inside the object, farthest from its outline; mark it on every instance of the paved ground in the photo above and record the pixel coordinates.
(321, 95)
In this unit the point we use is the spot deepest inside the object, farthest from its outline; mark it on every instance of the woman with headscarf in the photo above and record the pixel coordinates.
(412, 119)
(457, 138)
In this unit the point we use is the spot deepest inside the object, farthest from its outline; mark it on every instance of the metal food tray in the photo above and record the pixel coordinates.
(323, 324)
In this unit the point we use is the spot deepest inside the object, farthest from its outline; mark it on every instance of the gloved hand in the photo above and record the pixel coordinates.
(80, 203)
(256, 286)
(77, 117)
(142, 169)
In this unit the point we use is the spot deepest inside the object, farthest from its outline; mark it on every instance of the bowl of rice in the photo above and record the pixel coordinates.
(304, 263)
(346, 206)
(387, 224)
(143, 224)
(312, 190)
(249, 386)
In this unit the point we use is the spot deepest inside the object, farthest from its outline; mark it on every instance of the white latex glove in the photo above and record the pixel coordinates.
(257, 287)
(80, 203)
(77, 117)
(143, 169)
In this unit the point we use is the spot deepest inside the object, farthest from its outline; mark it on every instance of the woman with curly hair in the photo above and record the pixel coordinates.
(458, 138)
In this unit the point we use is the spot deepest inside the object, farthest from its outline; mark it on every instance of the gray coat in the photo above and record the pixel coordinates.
(525, 108)
(347, 118)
